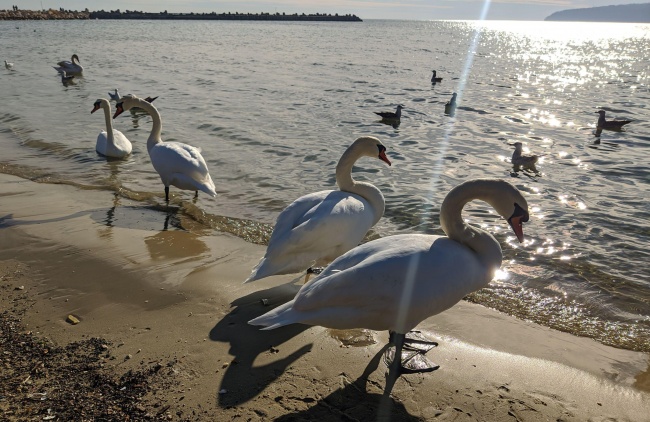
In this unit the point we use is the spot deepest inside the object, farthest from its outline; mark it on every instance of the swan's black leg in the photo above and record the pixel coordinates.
(312, 270)
(414, 347)
(167, 193)
(395, 368)
(196, 194)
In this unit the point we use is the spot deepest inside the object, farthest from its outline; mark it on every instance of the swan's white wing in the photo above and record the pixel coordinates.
(315, 228)
(182, 165)
(363, 288)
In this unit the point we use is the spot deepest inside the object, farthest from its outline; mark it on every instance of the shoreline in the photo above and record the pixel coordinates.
(61, 14)
(177, 296)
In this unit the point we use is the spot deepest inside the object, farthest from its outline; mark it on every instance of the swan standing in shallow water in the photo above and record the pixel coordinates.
(395, 282)
(110, 142)
(72, 67)
(320, 226)
(434, 78)
(9, 66)
(178, 164)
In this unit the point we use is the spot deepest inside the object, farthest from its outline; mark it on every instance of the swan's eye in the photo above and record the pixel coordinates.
(521, 213)
(381, 148)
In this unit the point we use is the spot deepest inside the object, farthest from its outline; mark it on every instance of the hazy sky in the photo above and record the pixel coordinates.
(365, 9)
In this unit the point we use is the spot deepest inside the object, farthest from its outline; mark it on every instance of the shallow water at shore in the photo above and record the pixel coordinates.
(273, 105)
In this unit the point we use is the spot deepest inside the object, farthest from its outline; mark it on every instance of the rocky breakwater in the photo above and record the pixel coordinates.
(50, 14)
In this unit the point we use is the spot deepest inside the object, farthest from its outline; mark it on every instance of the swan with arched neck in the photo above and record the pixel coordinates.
(110, 142)
(320, 226)
(178, 164)
(396, 282)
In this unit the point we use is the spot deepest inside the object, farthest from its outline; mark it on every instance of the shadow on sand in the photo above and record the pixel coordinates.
(243, 382)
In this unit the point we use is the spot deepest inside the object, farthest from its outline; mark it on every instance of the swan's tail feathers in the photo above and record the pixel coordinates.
(276, 318)
(256, 274)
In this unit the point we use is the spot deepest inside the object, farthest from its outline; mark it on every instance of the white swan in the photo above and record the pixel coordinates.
(320, 226)
(520, 158)
(110, 142)
(9, 66)
(72, 67)
(395, 282)
(178, 164)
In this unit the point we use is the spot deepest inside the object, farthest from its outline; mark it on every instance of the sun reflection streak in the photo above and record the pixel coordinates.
(405, 300)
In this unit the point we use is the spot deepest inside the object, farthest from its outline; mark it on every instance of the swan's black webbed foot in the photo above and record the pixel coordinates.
(414, 347)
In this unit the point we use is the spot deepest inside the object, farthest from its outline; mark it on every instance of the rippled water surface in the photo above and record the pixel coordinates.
(273, 105)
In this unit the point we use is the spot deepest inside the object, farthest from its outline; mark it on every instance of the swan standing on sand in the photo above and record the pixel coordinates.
(9, 66)
(395, 282)
(178, 164)
(320, 226)
(72, 67)
(110, 142)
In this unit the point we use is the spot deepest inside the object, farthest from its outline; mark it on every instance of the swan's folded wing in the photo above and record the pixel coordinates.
(176, 157)
(322, 223)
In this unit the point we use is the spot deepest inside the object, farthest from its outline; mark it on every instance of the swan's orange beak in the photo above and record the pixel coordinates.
(382, 157)
(517, 227)
(94, 109)
(118, 110)
(516, 221)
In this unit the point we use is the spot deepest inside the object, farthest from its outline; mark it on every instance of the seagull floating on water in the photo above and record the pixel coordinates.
(9, 66)
(115, 97)
(395, 282)
(389, 115)
(450, 106)
(609, 124)
(434, 79)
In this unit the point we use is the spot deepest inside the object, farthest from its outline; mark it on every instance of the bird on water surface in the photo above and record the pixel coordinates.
(609, 124)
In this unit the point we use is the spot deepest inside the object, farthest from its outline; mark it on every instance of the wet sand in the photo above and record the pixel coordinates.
(173, 299)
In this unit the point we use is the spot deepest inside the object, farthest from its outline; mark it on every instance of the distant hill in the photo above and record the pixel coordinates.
(639, 13)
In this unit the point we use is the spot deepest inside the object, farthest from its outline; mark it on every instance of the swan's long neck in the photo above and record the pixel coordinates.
(156, 129)
(487, 248)
(109, 121)
(366, 190)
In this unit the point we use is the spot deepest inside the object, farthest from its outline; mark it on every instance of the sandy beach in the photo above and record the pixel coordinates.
(170, 305)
